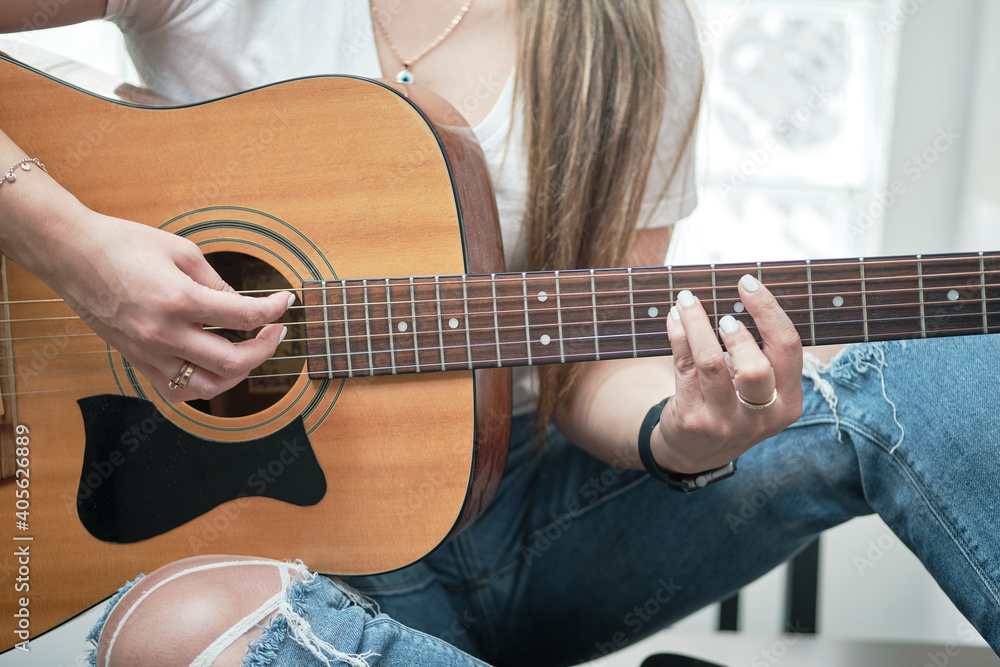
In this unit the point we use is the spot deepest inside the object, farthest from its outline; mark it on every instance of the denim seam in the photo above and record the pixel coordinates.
(814, 420)
(400, 589)
(473, 582)
(935, 508)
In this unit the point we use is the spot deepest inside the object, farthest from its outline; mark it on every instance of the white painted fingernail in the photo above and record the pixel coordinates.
(685, 298)
(291, 300)
(729, 324)
(750, 283)
(284, 332)
(674, 313)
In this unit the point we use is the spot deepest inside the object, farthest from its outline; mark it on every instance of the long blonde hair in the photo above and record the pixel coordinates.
(592, 76)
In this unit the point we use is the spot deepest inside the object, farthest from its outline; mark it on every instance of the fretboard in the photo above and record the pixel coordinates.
(414, 325)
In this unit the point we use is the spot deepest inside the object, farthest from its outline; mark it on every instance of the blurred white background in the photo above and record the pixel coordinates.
(814, 109)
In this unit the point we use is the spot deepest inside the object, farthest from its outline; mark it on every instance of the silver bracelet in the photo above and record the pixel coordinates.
(25, 165)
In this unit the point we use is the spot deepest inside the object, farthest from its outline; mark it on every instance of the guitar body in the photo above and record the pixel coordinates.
(320, 179)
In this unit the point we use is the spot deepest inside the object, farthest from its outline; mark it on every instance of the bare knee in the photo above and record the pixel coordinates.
(169, 618)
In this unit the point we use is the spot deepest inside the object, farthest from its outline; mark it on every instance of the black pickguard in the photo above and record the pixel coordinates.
(143, 476)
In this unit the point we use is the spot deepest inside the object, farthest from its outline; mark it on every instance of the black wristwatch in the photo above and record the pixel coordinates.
(675, 480)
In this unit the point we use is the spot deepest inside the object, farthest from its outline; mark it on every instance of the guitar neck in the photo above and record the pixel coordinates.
(411, 325)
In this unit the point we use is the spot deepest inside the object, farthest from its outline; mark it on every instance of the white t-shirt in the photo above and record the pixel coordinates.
(195, 50)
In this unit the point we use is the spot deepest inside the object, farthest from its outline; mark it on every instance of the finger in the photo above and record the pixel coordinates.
(230, 360)
(191, 261)
(204, 382)
(216, 303)
(687, 392)
(713, 373)
(209, 385)
(201, 385)
(782, 345)
(232, 311)
(752, 372)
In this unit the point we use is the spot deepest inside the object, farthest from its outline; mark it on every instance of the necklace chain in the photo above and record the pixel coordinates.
(404, 75)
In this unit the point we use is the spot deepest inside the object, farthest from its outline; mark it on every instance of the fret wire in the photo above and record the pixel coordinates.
(631, 307)
(468, 332)
(413, 318)
(368, 325)
(347, 334)
(715, 298)
(670, 285)
(326, 327)
(593, 304)
(864, 299)
(982, 286)
(392, 342)
(496, 321)
(812, 313)
(527, 323)
(437, 293)
(920, 287)
(559, 320)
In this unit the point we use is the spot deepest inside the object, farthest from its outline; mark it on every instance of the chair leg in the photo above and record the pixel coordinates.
(729, 614)
(803, 590)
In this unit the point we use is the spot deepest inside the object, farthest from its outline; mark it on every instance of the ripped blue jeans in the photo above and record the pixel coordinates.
(576, 558)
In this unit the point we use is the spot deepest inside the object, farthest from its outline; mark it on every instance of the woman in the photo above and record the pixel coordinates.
(590, 152)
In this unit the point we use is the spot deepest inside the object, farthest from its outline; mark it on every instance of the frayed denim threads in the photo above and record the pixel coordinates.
(94, 636)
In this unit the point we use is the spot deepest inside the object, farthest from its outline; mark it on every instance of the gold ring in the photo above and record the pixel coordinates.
(750, 405)
(181, 379)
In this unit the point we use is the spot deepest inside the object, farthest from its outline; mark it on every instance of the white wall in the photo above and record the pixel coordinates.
(945, 52)
(980, 220)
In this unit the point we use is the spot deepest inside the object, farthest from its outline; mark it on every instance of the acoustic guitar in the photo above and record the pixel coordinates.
(380, 430)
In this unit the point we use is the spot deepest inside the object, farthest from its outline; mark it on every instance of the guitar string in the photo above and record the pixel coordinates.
(644, 272)
(407, 317)
(491, 361)
(387, 370)
(774, 287)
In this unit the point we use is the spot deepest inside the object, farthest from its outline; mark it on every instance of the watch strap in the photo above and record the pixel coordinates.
(676, 481)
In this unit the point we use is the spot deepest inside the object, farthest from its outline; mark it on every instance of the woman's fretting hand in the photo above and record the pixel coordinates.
(705, 425)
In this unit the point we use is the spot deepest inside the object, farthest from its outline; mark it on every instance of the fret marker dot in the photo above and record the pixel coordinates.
(739, 307)
(401, 326)
(545, 340)
(953, 295)
(838, 301)
(653, 311)
(453, 323)
(543, 297)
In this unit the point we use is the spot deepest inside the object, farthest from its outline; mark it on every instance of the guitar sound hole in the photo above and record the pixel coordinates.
(269, 382)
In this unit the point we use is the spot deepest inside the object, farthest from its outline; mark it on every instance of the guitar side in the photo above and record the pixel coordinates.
(319, 178)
